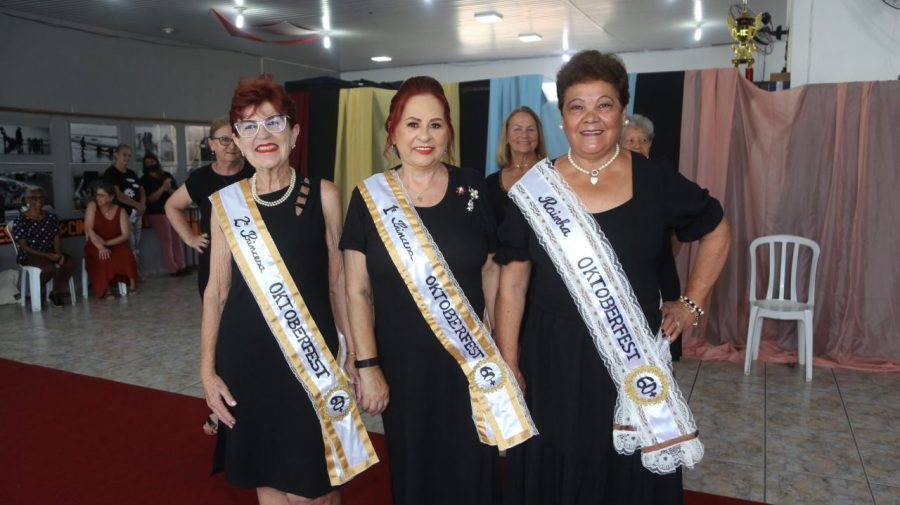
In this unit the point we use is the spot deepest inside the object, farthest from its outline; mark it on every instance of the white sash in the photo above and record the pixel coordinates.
(348, 450)
(499, 412)
(651, 413)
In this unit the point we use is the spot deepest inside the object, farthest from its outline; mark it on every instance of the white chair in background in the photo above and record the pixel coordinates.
(781, 301)
(30, 279)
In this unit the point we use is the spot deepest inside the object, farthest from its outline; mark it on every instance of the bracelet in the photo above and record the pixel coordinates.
(365, 363)
(693, 307)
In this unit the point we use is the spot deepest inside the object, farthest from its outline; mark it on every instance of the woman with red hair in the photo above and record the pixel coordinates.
(424, 216)
(274, 298)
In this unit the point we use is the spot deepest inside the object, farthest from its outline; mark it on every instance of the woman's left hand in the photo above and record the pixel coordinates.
(676, 317)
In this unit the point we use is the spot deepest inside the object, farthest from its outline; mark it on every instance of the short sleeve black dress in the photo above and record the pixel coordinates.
(200, 184)
(570, 394)
(433, 447)
(276, 441)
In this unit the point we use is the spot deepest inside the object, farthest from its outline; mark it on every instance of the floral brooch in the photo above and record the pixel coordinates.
(473, 195)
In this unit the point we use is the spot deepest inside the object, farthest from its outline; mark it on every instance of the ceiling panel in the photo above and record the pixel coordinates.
(411, 31)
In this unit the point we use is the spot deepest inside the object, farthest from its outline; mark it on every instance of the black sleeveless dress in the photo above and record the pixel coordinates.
(433, 447)
(569, 391)
(276, 441)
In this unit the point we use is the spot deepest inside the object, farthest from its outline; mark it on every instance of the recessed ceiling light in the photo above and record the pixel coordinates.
(168, 30)
(566, 57)
(488, 17)
(530, 37)
(381, 59)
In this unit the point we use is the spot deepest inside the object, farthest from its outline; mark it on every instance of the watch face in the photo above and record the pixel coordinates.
(893, 3)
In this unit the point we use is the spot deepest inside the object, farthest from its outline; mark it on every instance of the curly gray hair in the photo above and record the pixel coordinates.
(642, 122)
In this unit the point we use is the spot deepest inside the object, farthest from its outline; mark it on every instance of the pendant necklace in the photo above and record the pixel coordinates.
(595, 172)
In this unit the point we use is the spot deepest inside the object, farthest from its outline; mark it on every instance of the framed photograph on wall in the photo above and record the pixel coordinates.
(159, 139)
(15, 182)
(93, 143)
(22, 140)
(197, 145)
(84, 184)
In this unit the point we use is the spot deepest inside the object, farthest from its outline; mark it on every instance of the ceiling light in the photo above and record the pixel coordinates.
(326, 41)
(239, 21)
(381, 59)
(565, 39)
(530, 37)
(488, 17)
(566, 57)
(698, 11)
(239, 3)
(326, 22)
(168, 30)
(698, 33)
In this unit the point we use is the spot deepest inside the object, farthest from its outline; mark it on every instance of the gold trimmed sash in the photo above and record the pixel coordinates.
(499, 412)
(348, 450)
(651, 413)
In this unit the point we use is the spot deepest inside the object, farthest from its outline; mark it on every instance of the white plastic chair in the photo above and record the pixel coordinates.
(781, 301)
(30, 279)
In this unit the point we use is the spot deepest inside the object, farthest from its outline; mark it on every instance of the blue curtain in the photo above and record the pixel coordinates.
(506, 94)
(632, 89)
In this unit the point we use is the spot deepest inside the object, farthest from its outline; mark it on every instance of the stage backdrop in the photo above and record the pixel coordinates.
(819, 161)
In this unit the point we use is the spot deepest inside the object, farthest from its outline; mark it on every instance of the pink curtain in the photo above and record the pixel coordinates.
(820, 161)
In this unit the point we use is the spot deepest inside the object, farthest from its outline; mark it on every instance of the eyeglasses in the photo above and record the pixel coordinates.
(250, 127)
(225, 140)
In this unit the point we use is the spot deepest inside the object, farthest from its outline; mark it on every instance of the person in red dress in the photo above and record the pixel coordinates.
(107, 255)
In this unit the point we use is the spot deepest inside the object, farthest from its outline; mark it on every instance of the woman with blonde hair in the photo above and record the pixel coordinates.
(521, 146)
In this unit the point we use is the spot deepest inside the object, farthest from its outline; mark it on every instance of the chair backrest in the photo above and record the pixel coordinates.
(778, 267)
(12, 238)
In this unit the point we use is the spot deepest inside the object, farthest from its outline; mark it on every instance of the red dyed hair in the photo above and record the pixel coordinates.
(421, 85)
(255, 91)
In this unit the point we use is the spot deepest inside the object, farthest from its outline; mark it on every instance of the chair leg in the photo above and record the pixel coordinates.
(23, 286)
(72, 290)
(801, 342)
(748, 352)
(757, 336)
(34, 282)
(809, 344)
(84, 281)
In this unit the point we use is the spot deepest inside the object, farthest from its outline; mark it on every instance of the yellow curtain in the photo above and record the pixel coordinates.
(361, 136)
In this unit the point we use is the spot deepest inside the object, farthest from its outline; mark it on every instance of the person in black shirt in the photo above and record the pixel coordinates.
(129, 193)
(158, 186)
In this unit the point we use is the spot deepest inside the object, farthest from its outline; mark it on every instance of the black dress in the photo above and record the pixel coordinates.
(497, 196)
(200, 184)
(569, 392)
(276, 441)
(433, 447)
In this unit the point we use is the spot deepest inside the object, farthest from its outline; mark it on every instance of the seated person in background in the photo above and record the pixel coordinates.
(637, 136)
(158, 186)
(37, 235)
(108, 259)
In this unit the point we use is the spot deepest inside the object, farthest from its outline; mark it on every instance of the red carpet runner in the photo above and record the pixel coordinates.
(71, 439)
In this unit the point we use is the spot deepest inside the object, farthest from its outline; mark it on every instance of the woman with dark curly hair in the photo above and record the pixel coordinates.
(582, 244)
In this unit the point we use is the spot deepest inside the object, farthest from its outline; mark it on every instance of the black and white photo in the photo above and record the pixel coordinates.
(24, 139)
(93, 143)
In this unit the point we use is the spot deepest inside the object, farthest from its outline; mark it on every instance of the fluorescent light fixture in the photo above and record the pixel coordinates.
(566, 57)
(381, 59)
(530, 37)
(239, 21)
(239, 3)
(326, 41)
(698, 11)
(488, 17)
(565, 40)
(698, 33)
(326, 22)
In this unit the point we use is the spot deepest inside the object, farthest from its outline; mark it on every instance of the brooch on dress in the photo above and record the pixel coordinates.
(473, 195)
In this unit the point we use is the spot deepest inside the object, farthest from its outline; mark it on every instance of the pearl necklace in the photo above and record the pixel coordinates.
(595, 172)
(281, 200)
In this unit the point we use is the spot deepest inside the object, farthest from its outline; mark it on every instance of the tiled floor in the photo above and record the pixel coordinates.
(769, 436)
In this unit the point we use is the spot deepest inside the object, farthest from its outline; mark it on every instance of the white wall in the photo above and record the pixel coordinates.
(844, 41)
